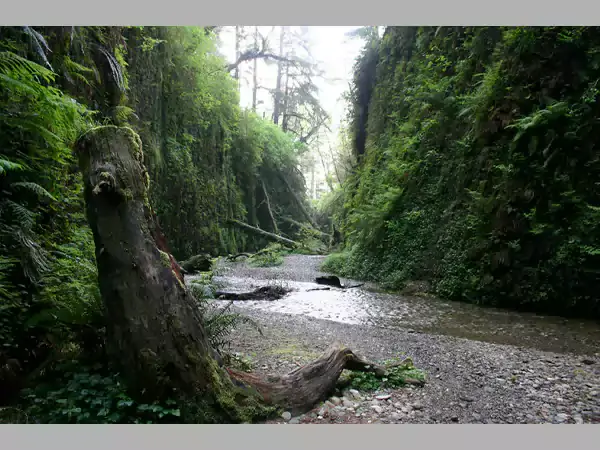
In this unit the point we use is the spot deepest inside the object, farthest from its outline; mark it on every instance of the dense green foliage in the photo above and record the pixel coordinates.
(402, 374)
(205, 157)
(477, 165)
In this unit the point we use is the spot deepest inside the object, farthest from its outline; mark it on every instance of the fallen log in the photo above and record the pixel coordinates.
(268, 235)
(305, 226)
(268, 293)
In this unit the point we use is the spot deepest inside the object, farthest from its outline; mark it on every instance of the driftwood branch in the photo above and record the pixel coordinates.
(239, 255)
(299, 390)
(262, 293)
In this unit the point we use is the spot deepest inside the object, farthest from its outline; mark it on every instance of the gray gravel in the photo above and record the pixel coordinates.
(468, 381)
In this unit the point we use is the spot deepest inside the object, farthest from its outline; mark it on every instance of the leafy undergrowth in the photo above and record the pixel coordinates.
(335, 263)
(396, 377)
(86, 395)
(270, 256)
(84, 389)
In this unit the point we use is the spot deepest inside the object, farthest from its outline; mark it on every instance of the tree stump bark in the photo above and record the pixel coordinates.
(152, 320)
(154, 324)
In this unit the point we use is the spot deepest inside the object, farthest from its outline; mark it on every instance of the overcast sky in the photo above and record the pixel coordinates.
(331, 49)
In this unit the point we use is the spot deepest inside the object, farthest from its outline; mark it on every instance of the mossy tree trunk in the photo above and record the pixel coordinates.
(154, 326)
(152, 320)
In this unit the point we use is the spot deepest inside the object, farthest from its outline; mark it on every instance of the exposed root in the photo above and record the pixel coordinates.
(301, 389)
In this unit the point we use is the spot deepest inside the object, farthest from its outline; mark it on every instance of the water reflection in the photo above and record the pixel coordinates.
(367, 307)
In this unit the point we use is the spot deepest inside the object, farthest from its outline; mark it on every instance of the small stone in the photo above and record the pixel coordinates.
(395, 416)
(322, 411)
(347, 403)
(562, 417)
(417, 406)
(377, 409)
(354, 393)
(405, 410)
(454, 419)
(476, 416)
(467, 399)
(588, 362)
(336, 401)
(578, 419)
(383, 397)
(294, 421)
(286, 416)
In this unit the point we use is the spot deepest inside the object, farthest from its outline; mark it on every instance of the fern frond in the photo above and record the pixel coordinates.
(12, 64)
(39, 43)
(24, 217)
(6, 166)
(115, 67)
(33, 187)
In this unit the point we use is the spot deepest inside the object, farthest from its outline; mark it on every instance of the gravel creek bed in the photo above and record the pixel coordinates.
(483, 366)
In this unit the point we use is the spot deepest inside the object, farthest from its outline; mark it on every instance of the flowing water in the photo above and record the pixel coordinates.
(367, 306)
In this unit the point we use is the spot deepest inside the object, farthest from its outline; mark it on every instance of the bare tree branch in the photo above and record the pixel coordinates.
(249, 55)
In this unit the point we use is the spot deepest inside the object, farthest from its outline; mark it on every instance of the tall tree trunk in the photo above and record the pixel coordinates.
(277, 102)
(255, 72)
(286, 99)
(335, 166)
(154, 327)
(238, 38)
(313, 189)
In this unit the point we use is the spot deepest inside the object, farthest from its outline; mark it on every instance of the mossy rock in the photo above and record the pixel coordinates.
(197, 263)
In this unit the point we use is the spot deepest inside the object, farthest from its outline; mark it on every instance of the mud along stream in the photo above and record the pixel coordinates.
(484, 365)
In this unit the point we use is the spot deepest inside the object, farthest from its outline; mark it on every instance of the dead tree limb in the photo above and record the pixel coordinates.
(272, 236)
(298, 201)
(268, 204)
